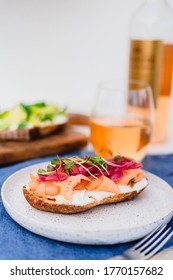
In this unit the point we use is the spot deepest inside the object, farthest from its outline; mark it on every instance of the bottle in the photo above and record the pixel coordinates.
(151, 57)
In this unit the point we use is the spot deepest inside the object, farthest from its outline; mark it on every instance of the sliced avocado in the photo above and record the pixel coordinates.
(34, 120)
(42, 114)
(47, 117)
(15, 116)
(4, 114)
(63, 112)
(3, 125)
(18, 113)
(27, 109)
(39, 104)
(49, 109)
(22, 124)
(35, 114)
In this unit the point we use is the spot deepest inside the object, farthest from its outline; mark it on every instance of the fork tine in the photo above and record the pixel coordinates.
(159, 246)
(148, 236)
(156, 233)
(148, 249)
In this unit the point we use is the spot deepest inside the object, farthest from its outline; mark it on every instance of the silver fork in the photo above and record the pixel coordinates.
(148, 246)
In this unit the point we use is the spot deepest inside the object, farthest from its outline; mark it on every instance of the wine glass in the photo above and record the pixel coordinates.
(122, 120)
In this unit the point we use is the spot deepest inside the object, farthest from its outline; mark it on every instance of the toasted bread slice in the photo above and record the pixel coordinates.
(26, 134)
(50, 204)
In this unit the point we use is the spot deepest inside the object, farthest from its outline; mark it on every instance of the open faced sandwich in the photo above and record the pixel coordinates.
(31, 121)
(75, 184)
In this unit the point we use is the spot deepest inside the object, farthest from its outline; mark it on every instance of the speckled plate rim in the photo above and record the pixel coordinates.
(7, 205)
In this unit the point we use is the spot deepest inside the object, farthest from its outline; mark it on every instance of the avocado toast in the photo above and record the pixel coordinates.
(27, 122)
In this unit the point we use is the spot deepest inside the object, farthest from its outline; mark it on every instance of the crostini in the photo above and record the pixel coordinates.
(31, 121)
(75, 184)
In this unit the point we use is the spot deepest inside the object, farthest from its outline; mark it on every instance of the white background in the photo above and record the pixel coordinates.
(60, 49)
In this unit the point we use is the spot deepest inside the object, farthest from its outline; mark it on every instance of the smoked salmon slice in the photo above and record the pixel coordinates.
(102, 184)
(34, 182)
(81, 182)
(131, 174)
(67, 186)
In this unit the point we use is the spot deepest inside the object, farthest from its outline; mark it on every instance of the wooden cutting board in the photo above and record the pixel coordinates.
(66, 141)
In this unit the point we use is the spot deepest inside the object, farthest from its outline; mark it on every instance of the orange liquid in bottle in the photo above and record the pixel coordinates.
(163, 105)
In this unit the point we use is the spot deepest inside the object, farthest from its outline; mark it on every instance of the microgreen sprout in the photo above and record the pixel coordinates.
(85, 168)
(66, 164)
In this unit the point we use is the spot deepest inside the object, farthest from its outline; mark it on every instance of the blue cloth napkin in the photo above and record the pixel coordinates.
(19, 243)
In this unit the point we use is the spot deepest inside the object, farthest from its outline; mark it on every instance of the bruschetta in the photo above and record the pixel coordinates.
(75, 184)
(31, 121)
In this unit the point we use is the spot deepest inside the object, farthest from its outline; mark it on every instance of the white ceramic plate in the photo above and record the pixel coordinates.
(108, 224)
